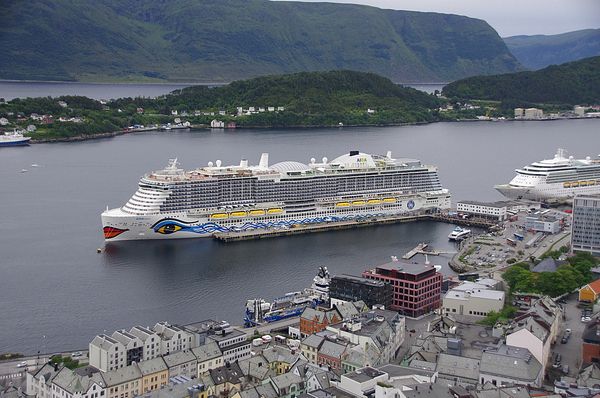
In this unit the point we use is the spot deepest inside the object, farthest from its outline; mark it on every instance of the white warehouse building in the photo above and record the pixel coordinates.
(478, 301)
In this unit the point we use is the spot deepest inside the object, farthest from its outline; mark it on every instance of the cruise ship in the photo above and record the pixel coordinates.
(559, 178)
(14, 139)
(173, 203)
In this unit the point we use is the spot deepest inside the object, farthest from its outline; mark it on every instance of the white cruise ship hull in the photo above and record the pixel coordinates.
(119, 225)
(545, 191)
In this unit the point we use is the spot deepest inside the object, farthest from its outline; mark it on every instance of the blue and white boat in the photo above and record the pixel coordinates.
(14, 139)
(459, 233)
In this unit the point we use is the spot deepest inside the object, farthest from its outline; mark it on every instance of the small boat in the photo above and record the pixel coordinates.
(35, 165)
(238, 214)
(389, 200)
(374, 201)
(358, 203)
(24, 170)
(342, 204)
(459, 233)
(275, 211)
(257, 212)
(14, 138)
(219, 216)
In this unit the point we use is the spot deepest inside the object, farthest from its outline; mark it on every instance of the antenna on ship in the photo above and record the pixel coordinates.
(172, 164)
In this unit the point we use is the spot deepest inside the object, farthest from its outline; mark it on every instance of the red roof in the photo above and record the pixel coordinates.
(595, 286)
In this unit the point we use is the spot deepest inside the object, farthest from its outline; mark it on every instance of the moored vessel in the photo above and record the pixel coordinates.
(173, 203)
(561, 177)
(14, 139)
(459, 233)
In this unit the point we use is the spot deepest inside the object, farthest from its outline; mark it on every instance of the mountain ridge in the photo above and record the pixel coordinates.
(222, 41)
(538, 51)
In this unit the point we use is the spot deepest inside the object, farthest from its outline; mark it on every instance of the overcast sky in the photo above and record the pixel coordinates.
(508, 17)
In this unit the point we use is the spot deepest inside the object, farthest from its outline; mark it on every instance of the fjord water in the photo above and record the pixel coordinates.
(54, 284)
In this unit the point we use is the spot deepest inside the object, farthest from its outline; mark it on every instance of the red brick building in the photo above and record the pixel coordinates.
(417, 287)
(590, 349)
(315, 320)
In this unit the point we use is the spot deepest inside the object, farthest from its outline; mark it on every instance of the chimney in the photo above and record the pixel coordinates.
(264, 161)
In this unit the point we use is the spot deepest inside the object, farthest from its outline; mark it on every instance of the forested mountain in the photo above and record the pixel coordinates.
(572, 83)
(225, 40)
(539, 51)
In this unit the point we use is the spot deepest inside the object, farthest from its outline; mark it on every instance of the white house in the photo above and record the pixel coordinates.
(3, 121)
(217, 124)
(106, 353)
(173, 338)
(68, 384)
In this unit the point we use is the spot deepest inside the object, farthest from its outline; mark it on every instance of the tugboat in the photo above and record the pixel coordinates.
(259, 311)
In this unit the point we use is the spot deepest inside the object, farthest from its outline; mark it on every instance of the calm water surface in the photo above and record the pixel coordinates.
(53, 283)
(22, 89)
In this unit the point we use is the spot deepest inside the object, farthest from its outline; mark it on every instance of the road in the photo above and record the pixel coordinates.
(571, 351)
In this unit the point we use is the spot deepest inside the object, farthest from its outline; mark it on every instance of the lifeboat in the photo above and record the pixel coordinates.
(257, 212)
(219, 216)
(359, 203)
(238, 214)
(575, 184)
(275, 210)
(342, 204)
(389, 200)
(567, 185)
(374, 201)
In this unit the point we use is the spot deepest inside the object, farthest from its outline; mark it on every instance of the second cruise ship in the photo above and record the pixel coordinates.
(173, 203)
(559, 178)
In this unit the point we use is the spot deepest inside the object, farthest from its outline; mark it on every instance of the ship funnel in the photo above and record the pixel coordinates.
(264, 161)
(389, 154)
(244, 163)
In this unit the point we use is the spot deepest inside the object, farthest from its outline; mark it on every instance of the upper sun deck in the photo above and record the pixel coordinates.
(353, 162)
(560, 162)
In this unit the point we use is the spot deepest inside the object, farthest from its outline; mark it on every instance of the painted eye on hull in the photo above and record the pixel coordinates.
(168, 229)
(111, 232)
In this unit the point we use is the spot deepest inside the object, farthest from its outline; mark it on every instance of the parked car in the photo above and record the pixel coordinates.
(76, 354)
(565, 369)
(557, 359)
(565, 339)
(22, 364)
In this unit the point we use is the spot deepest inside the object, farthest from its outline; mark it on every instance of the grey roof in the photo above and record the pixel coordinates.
(546, 265)
(104, 342)
(47, 372)
(429, 390)
(141, 332)
(313, 341)
(263, 391)
(280, 354)
(406, 267)
(364, 374)
(455, 366)
(179, 358)
(230, 374)
(221, 337)
(286, 380)
(256, 367)
(152, 366)
(503, 392)
(512, 363)
(122, 375)
(332, 349)
(347, 310)
(74, 383)
(590, 376)
(320, 315)
(399, 371)
(123, 337)
(207, 351)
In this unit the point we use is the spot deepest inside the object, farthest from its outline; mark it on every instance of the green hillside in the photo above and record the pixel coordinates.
(571, 83)
(539, 51)
(308, 98)
(225, 40)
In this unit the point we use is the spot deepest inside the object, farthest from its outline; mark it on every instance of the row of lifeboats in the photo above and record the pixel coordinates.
(576, 184)
(366, 202)
(243, 213)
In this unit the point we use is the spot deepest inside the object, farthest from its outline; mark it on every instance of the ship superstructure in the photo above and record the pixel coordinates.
(13, 139)
(173, 203)
(559, 178)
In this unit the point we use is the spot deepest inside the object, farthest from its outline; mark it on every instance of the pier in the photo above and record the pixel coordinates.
(332, 226)
(418, 249)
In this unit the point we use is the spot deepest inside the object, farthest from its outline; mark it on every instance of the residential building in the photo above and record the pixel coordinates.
(134, 347)
(508, 365)
(454, 368)
(478, 301)
(217, 124)
(537, 329)
(4, 121)
(280, 359)
(173, 338)
(548, 264)
(209, 356)
(590, 348)
(287, 385)
(533, 113)
(310, 347)
(39, 382)
(106, 353)
(68, 384)
(519, 113)
(354, 288)
(233, 343)
(586, 224)
(589, 293)
(150, 340)
(227, 379)
(417, 287)
(261, 391)
(314, 320)
(256, 369)
(155, 374)
(543, 223)
(330, 354)
(362, 382)
(182, 363)
(380, 330)
(125, 382)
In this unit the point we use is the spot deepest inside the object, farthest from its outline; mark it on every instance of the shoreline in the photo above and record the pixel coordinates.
(80, 138)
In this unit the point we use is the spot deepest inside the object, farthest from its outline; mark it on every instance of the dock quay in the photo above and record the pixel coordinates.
(418, 249)
(300, 229)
